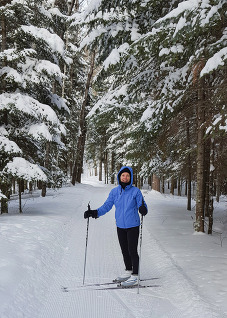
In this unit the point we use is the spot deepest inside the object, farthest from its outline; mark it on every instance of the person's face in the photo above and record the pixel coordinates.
(125, 177)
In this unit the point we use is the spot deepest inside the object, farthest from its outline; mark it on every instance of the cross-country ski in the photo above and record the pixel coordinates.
(105, 287)
(65, 288)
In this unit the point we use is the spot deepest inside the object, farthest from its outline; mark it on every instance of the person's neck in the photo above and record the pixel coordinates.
(124, 184)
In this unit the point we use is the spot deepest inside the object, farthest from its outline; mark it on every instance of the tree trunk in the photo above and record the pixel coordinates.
(186, 188)
(150, 181)
(20, 190)
(172, 186)
(46, 165)
(218, 191)
(135, 179)
(163, 184)
(95, 167)
(189, 166)
(179, 186)
(106, 167)
(73, 3)
(139, 181)
(4, 205)
(78, 165)
(100, 162)
(199, 225)
(207, 177)
(211, 193)
(5, 188)
(112, 167)
(218, 172)
(155, 183)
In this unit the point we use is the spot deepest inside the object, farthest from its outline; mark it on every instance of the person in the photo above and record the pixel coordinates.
(127, 199)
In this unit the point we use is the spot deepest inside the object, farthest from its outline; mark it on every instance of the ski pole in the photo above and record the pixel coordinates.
(85, 257)
(141, 229)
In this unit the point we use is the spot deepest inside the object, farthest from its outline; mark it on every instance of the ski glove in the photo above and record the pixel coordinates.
(143, 210)
(92, 213)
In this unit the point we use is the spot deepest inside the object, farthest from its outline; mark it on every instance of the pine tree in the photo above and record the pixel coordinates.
(30, 75)
(174, 67)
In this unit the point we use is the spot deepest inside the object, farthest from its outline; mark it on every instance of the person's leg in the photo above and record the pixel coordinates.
(132, 239)
(123, 241)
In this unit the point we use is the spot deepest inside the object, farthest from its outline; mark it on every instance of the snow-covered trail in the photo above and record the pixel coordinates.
(53, 234)
(174, 295)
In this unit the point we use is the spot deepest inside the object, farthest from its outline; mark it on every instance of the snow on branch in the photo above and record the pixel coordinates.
(39, 131)
(2, 195)
(109, 100)
(91, 37)
(115, 55)
(53, 40)
(21, 168)
(8, 146)
(28, 105)
(217, 60)
(185, 5)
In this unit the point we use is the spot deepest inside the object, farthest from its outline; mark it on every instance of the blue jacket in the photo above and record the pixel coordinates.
(126, 201)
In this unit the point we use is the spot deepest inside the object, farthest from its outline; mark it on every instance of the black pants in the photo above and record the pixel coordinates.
(128, 239)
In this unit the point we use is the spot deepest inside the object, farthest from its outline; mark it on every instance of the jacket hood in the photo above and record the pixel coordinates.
(131, 175)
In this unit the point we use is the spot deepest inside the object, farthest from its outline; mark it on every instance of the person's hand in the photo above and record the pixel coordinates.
(143, 209)
(92, 213)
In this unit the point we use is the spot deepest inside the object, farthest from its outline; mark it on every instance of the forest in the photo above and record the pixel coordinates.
(111, 83)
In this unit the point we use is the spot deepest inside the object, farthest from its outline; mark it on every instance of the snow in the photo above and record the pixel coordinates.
(44, 248)
(135, 35)
(112, 59)
(9, 146)
(114, 56)
(180, 25)
(92, 5)
(32, 69)
(39, 131)
(174, 49)
(109, 99)
(53, 40)
(28, 105)
(21, 168)
(2, 195)
(92, 36)
(217, 60)
(206, 16)
(185, 5)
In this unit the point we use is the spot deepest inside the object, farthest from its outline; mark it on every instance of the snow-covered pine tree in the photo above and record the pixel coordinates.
(158, 71)
(74, 79)
(114, 26)
(30, 75)
(188, 43)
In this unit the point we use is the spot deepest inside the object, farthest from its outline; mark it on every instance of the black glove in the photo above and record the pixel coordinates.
(143, 209)
(92, 213)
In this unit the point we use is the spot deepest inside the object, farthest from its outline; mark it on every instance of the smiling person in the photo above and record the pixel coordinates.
(127, 200)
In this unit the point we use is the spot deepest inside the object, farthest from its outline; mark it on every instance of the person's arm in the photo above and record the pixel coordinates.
(107, 206)
(141, 204)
